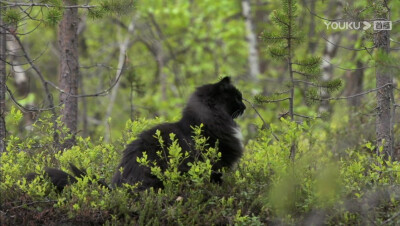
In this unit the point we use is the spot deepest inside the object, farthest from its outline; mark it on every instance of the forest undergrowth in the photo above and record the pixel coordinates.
(267, 187)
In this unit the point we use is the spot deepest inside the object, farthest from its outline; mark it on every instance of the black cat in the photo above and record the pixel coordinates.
(214, 105)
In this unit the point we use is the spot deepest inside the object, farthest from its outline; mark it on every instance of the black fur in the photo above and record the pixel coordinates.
(214, 105)
(59, 178)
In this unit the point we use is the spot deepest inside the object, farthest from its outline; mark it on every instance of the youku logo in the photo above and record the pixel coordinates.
(379, 25)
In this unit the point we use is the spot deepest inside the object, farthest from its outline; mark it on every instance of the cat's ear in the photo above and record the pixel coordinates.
(226, 80)
(224, 83)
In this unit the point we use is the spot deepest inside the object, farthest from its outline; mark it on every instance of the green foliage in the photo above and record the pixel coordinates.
(332, 85)
(11, 17)
(199, 169)
(118, 7)
(284, 45)
(266, 184)
(53, 16)
(202, 40)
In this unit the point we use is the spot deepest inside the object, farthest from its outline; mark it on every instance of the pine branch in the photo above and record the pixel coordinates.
(279, 19)
(309, 62)
(19, 4)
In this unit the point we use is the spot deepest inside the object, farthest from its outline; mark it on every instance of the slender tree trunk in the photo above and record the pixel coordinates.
(18, 72)
(254, 66)
(384, 129)
(291, 75)
(84, 116)
(327, 69)
(161, 75)
(312, 43)
(330, 50)
(2, 84)
(69, 68)
(354, 85)
(261, 17)
(123, 47)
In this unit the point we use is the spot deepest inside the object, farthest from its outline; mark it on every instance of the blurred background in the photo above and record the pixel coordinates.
(147, 57)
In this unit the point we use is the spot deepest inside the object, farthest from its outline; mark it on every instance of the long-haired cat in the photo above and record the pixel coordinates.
(213, 105)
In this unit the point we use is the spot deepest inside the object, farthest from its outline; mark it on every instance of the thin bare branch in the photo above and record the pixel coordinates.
(348, 48)
(30, 109)
(306, 82)
(302, 73)
(322, 18)
(38, 72)
(355, 95)
(305, 116)
(347, 69)
(265, 124)
(391, 218)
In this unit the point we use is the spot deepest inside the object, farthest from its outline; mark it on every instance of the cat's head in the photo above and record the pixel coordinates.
(222, 96)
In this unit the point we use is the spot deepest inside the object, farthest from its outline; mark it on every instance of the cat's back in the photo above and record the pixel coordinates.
(150, 139)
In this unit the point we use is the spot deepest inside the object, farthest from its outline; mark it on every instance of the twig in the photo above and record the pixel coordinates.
(322, 18)
(25, 109)
(355, 95)
(14, 4)
(275, 101)
(265, 124)
(46, 90)
(391, 218)
(305, 116)
(36, 69)
(31, 203)
(348, 48)
(46, 82)
(306, 82)
(302, 73)
(347, 69)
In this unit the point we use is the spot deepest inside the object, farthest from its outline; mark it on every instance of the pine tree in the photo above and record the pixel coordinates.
(3, 76)
(65, 14)
(282, 45)
(384, 78)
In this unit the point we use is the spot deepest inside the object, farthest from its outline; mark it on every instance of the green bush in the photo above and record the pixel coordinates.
(266, 186)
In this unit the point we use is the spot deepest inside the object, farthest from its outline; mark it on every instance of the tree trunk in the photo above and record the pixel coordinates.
(18, 72)
(384, 136)
(354, 78)
(330, 50)
(312, 43)
(2, 84)
(327, 69)
(123, 48)
(159, 55)
(254, 66)
(69, 69)
(354, 85)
